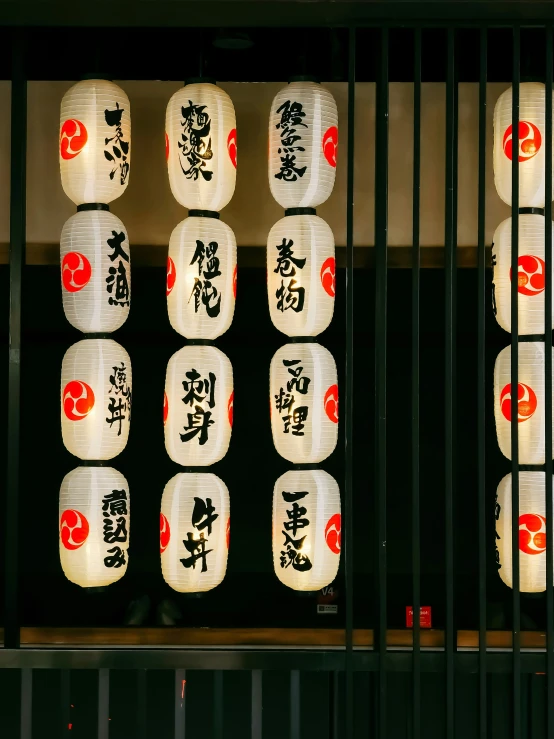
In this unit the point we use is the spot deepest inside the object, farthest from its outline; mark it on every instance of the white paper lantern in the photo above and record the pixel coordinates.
(530, 276)
(301, 275)
(198, 409)
(194, 532)
(530, 145)
(201, 272)
(531, 393)
(94, 526)
(95, 142)
(303, 138)
(201, 146)
(96, 399)
(306, 529)
(304, 402)
(95, 271)
(532, 531)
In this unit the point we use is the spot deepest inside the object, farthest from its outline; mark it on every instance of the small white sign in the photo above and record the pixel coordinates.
(327, 608)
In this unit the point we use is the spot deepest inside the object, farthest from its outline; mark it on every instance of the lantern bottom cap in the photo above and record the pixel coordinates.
(97, 589)
(305, 593)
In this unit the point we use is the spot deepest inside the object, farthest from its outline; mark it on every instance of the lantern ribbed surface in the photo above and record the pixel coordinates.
(301, 275)
(531, 406)
(95, 142)
(94, 526)
(532, 531)
(306, 529)
(201, 146)
(201, 278)
(529, 144)
(530, 276)
(303, 138)
(194, 532)
(304, 402)
(198, 406)
(96, 395)
(95, 265)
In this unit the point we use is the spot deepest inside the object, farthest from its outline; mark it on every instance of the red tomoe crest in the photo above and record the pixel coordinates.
(232, 146)
(235, 283)
(530, 275)
(78, 400)
(230, 409)
(171, 276)
(73, 137)
(330, 142)
(228, 532)
(166, 146)
(74, 529)
(331, 403)
(526, 402)
(165, 533)
(166, 407)
(76, 271)
(529, 141)
(328, 276)
(332, 533)
(532, 533)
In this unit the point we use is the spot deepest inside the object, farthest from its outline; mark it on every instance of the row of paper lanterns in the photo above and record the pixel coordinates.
(96, 388)
(531, 419)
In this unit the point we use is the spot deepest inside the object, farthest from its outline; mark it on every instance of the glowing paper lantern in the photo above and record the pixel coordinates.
(304, 402)
(94, 526)
(201, 146)
(95, 271)
(530, 145)
(532, 531)
(530, 276)
(303, 138)
(531, 410)
(301, 275)
(96, 399)
(306, 529)
(194, 532)
(201, 269)
(95, 142)
(198, 405)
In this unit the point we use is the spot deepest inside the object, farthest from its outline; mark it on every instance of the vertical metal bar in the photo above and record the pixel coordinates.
(381, 225)
(481, 386)
(450, 342)
(65, 697)
(180, 703)
(17, 260)
(333, 704)
(514, 384)
(548, 387)
(103, 704)
(349, 393)
(416, 266)
(142, 710)
(218, 701)
(257, 704)
(26, 704)
(294, 704)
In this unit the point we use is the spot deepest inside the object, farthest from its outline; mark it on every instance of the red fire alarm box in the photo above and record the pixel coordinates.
(424, 617)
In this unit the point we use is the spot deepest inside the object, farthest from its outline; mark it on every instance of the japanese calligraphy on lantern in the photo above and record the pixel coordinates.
(201, 146)
(195, 508)
(304, 416)
(95, 271)
(116, 148)
(199, 387)
(301, 275)
(303, 137)
(201, 265)
(306, 529)
(119, 400)
(94, 526)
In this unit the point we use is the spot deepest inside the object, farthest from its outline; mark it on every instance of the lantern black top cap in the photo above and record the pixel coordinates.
(196, 80)
(194, 213)
(97, 76)
(92, 206)
(304, 78)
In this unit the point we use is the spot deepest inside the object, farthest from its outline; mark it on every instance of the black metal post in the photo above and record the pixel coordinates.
(17, 261)
(180, 703)
(103, 703)
(26, 706)
(257, 705)
(218, 704)
(142, 706)
(294, 704)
